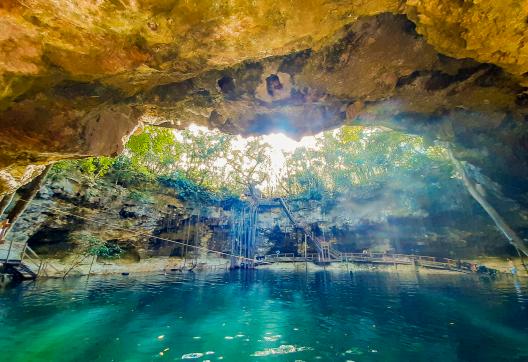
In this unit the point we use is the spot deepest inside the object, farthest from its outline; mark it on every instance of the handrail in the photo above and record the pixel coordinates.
(378, 257)
(30, 255)
(325, 250)
(290, 256)
(33, 258)
(33, 253)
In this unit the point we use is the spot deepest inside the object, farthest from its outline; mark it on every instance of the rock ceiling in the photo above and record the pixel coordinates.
(78, 77)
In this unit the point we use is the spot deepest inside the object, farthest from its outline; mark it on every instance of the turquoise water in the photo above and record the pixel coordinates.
(266, 315)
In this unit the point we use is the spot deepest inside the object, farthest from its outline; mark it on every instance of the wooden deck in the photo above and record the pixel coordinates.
(376, 258)
(21, 260)
(14, 255)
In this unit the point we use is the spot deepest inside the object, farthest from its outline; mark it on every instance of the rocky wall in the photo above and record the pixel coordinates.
(78, 77)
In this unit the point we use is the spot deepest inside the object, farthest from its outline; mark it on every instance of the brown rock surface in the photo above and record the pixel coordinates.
(77, 77)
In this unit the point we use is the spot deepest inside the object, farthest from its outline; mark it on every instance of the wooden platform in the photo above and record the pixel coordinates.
(374, 258)
(20, 260)
(15, 253)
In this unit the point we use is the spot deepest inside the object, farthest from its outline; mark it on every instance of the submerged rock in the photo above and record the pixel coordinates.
(193, 355)
(282, 349)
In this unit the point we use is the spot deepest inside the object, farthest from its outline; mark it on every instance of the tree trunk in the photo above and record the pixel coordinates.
(26, 196)
(472, 188)
(91, 264)
(76, 263)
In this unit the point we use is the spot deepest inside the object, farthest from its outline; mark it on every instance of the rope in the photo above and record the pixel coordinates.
(145, 234)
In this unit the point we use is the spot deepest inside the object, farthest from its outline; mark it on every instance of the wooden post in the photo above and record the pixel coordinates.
(91, 265)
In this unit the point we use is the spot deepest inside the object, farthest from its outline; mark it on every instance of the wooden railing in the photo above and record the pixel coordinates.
(290, 257)
(381, 258)
(19, 252)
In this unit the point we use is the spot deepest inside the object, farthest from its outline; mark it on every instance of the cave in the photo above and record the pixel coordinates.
(237, 173)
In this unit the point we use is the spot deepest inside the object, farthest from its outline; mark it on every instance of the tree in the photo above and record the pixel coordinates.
(202, 152)
(89, 245)
(353, 156)
(155, 151)
(480, 197)
(251, 165)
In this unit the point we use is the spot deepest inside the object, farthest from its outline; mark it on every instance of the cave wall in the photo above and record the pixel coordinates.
(78, 77)
(405, 215)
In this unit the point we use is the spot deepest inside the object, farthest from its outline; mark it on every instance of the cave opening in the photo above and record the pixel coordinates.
(352, 189)
(263, 180)
(273, 84)
(227, 85)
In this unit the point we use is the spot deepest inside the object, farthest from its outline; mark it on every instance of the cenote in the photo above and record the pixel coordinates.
(266, 180)
(262, 315)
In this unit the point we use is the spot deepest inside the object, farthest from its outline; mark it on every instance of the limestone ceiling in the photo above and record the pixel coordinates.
(77, 77)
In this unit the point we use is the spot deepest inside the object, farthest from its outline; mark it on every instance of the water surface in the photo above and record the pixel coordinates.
(267, 315)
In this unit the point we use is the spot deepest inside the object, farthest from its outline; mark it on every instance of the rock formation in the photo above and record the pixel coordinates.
(404, 215)
(78, 77)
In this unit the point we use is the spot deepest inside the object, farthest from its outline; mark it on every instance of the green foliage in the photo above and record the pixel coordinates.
(92, 167)
(61, 169)
(355, 156)
(203, 165)
(249, 166)
(95, 167)
(154, 151)
(140, 196)
(125, 174)
(210, 166)
(187, 189)
(92, 245)
(349, 134)
(201, 152)
(105, 250)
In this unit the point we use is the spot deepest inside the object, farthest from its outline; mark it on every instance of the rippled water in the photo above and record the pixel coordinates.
(266, 315)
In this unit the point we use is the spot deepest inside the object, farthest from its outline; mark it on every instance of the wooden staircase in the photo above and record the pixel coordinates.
(20, 260)
(23, 272)
(324, 249)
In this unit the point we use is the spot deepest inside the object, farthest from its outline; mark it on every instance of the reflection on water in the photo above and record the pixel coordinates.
(264, 315)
